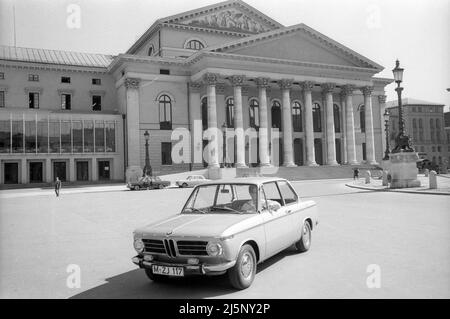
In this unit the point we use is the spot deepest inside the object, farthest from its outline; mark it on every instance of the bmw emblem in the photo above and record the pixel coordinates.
(169, 233)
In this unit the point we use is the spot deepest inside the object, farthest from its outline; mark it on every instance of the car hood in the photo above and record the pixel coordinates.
(210, 225)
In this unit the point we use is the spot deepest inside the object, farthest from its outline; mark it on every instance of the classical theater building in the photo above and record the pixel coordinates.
(83, 116)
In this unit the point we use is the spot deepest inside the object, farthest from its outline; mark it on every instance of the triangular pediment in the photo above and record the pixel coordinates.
(233, 15)
(297, 43)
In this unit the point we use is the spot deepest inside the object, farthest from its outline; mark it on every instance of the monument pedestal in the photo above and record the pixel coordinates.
(403, 170)
(133, 173)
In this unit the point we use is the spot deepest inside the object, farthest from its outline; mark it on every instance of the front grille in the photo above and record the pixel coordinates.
(192, 248)
(169, 244)
(154, 246)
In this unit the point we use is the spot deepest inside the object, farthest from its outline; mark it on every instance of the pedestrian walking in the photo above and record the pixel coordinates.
(57, 186)
(355, 173)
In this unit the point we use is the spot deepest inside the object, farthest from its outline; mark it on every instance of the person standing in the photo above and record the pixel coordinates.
(57, 186)
(355, 173)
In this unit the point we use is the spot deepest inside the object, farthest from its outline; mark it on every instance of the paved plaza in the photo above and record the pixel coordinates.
(404, 237)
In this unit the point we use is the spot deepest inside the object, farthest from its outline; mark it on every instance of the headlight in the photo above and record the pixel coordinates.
(139, 245)
(214, 249)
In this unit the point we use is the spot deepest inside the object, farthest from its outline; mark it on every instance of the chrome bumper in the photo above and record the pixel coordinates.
(202, 269)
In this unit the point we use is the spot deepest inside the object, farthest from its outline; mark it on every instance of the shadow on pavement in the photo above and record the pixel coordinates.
(134, 284)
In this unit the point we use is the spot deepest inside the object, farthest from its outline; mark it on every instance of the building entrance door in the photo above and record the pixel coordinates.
(104, 170)
(59, 170)
(338, 151)
(36, 172)
(298, 151)
(82, 171)
(11, 173)
(318, 151)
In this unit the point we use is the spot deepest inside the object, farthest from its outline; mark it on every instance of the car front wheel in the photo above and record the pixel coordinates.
(305, 241)
(137, 188)
(243, 273)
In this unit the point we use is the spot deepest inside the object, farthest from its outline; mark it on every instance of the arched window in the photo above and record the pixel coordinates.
(230, 112)
(297, 117)
(254, 113)
(337, 118)
(194, 45)
(165, 112)
(362, 118)
(276, 115)
(317, 118)
(205, 113)
(151, 50)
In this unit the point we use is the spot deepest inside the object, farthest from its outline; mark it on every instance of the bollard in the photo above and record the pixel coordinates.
(433, 180)
(427, 172)
(368, 176)
(385, 178)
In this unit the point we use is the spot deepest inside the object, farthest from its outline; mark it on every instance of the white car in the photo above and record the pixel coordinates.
(192, 181)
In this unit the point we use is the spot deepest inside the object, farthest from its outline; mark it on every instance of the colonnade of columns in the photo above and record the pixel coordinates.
(286, 85)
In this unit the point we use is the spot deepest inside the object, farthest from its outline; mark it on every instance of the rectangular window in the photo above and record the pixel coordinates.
(96, 103)
(96, 81)
(88, 136)
(54, 137)
(42, 136)
(5, 136)
(66, 101)
(33, 100)
(2, 76)
(33, 77)
(364, 151)
(288, 194)
(2, 98)
(166, 153)
(30, 136)
(65, 79)
(17, 136)
(66, 137)
(77, 132)
(164, 71)
(110, 132)
(99, 136)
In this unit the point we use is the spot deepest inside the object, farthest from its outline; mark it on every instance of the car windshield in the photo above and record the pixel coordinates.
(223, 199)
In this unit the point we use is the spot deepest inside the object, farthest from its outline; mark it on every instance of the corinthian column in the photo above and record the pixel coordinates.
(309, 128)
(288, 149)
(237, 82)
(331, 136)
(347, 90)
(264, 157)
(213, 147)
(134, 170)
(370, 140)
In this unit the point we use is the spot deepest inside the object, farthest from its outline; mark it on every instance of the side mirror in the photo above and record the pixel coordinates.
(273, 207)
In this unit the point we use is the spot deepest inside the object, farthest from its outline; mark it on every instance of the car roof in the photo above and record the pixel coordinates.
(245, 180)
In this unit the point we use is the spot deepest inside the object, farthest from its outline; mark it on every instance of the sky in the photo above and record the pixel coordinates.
(414, 31)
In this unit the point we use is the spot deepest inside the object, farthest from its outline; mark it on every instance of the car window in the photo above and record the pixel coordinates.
(272, 192)
(225, 195)
(287, 192)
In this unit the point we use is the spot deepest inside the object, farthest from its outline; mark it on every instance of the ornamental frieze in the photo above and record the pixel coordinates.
(230, 20)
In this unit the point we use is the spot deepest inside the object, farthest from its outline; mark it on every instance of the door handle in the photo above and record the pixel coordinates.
(289, 211)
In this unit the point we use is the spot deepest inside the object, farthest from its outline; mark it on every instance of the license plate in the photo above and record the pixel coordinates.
(168, 271)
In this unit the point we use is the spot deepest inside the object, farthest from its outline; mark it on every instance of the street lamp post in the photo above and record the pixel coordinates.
(402, 142)
(386, 130)
(147, 167)
(224, 145)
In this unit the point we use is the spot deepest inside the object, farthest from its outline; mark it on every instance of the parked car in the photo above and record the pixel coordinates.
(227, 227)
(148, 182)
(192, 181)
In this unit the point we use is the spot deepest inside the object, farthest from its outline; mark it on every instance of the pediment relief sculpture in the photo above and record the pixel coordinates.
(229, 19)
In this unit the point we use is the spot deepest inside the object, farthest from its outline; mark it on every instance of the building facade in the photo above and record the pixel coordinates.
(310, 100)
(425, 125)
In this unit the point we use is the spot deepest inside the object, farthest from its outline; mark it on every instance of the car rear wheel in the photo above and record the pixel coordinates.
(305, 241)
(243, 273)
(184, 185)
(161, 186)
(156, 278)
(137, 188)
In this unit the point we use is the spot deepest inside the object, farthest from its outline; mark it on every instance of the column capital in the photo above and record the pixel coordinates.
(347, 90)
(367, 90)
(210, 78)
(285, 84)
(195, 86)
(237, 80)
(263, 82)
(382, 99)
(132, 83)
(307, 85)
(328, 87)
